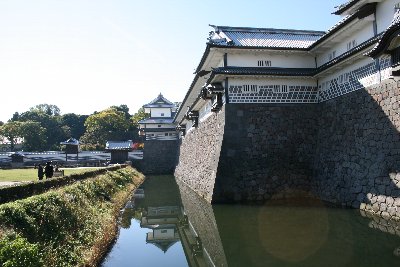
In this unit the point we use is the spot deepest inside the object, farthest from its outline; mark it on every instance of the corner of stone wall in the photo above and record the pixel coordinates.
(199, 155)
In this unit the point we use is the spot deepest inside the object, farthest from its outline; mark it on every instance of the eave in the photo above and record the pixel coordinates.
(385, 41)
(363, 13)
(352, 6)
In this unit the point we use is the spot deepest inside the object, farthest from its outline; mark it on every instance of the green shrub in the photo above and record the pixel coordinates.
(16, 251)
(65, 223)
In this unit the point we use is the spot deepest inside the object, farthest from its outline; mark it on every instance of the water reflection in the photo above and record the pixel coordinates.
(173, 226)
(295, 233)
(149, 233)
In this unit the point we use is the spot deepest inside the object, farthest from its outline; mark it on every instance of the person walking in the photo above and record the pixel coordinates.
(48, 170)
(40, 172)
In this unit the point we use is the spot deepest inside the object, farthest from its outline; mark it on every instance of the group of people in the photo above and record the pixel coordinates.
(47, 171)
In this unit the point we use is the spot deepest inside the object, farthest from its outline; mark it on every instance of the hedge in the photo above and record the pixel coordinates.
(21, 191)
(70, 226)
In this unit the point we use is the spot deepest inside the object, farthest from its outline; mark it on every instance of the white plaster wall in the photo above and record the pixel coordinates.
(156, 112)
(359, 36)
(384, 14)
(221, 63)
(282, 61)
(346, 69)
(205, 110)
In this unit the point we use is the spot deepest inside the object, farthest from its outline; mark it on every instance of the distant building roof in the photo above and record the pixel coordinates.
(159, 102)
(263, 37)
(71, 141)
(119, 145)
(17, 154)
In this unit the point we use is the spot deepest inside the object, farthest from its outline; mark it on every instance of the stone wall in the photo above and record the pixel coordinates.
(345, 151)
(266, 152)
(159, 157)
(357, 159)
(200, 153)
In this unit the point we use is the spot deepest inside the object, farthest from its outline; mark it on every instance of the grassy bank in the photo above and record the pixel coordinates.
(25, 175)
(71, 226)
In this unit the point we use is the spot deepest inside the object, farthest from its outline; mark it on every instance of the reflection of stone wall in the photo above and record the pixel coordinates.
(200, 153)
(382, 224)
(201, 216)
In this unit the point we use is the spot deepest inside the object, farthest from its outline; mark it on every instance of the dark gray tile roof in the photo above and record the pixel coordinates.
(71, 141)
(159, 102)
(265, 71)
(263, 37)
(119, 145)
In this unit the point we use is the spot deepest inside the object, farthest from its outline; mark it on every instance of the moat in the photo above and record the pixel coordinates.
(173, 226)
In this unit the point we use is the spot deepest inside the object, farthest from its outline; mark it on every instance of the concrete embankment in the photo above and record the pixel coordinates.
(69, 226)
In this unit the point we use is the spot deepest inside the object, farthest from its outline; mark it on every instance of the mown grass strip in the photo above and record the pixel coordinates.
(30, 175)
(20, 191)
(70, 226)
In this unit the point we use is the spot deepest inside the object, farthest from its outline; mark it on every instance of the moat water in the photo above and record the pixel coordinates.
(172, 226)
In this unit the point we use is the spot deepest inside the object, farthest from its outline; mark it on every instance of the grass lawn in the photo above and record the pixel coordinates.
(18, 175)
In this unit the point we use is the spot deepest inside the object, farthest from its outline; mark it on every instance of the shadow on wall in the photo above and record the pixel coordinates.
(267, 152)
(357, 160)
(345, 151)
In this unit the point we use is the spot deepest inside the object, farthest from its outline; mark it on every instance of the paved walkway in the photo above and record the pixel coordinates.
(4, 184)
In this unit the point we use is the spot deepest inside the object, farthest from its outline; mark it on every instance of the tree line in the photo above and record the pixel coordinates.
(43, 127)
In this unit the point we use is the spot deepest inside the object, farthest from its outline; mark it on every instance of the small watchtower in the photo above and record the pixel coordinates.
(159, 126)
(160, 137)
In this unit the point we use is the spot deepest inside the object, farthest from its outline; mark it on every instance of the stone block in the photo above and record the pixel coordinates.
(389, 201)
(383, 207)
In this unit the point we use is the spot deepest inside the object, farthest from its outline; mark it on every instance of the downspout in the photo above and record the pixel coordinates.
(226, 79)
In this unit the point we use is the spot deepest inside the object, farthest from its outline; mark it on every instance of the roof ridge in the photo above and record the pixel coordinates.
(266, 30)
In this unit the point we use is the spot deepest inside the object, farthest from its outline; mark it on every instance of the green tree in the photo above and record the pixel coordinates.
(51, 110)
(124, 109)
(76, 123)
(138, 116)
(108, 124)
(52, 124)
(34, 136)
(12, 131)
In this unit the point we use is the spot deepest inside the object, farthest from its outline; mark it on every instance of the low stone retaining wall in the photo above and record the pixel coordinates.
(159, 157)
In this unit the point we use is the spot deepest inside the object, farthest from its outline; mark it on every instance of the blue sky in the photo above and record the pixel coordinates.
(86, 55)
